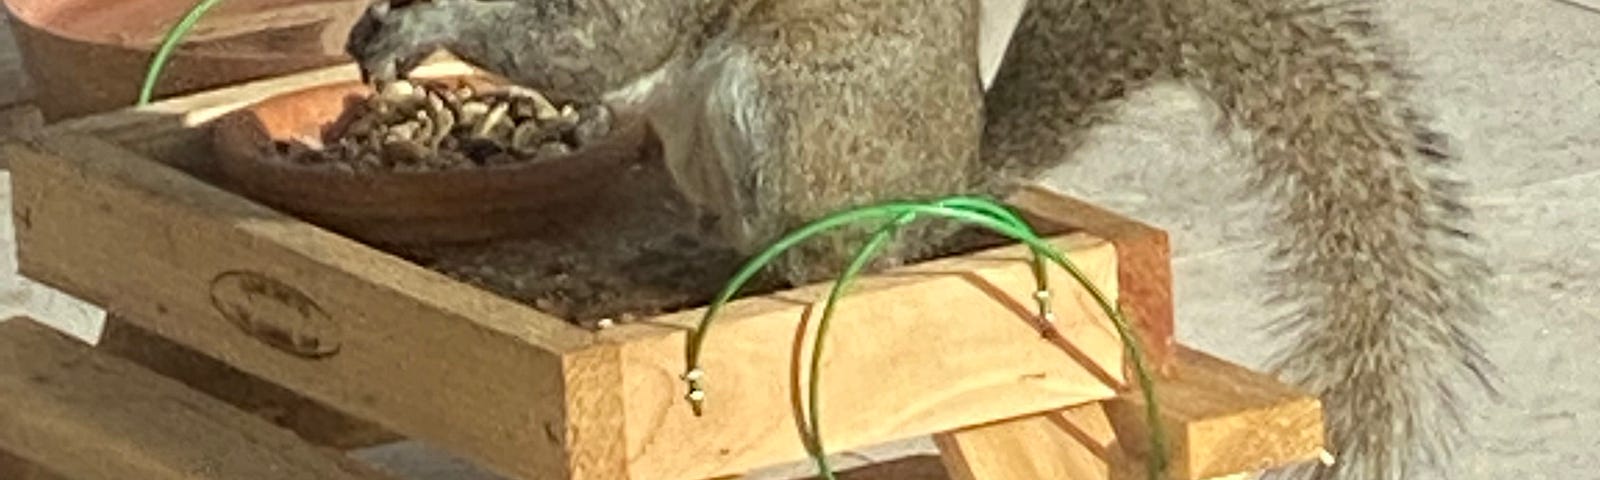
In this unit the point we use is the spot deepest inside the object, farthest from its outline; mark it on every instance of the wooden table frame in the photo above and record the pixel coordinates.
(1222, 419)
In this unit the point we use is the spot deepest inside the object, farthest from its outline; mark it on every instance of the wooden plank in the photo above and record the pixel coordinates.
(137, 237)
(594, 431)
(169, 133)
(918, 350)
(91, 416)
(1144, 257)
(1224, 419)
(1074, 443)
(369, 333)
(1221, 420)
(1043, 446)
(311, 420)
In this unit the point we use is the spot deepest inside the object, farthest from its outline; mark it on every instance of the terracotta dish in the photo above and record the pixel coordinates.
(90, 56)
(410, 207)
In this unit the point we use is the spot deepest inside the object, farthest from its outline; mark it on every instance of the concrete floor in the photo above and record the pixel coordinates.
(1516, 82)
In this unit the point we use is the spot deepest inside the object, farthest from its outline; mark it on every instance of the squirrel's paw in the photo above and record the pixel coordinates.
(389, 41)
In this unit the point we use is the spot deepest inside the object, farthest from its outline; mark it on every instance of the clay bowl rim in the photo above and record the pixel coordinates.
(246, 157)
(225, 132)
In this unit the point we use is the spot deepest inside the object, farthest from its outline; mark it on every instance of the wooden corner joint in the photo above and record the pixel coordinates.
(1144, 258)
(1220, 420)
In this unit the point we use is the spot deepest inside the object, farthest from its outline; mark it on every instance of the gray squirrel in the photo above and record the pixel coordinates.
(772, 113)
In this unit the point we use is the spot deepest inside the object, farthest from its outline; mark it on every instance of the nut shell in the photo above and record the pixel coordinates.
(433, 125)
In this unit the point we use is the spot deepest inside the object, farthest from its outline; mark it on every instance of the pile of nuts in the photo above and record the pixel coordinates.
(421, 126)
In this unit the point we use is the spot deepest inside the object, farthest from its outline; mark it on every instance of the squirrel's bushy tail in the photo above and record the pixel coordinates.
(1369, 242)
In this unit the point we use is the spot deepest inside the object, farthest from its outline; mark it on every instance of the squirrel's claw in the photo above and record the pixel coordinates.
(384, 44)
(379, 73)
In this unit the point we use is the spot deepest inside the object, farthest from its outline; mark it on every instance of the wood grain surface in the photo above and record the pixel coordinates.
(90, 416)
(1221, 420)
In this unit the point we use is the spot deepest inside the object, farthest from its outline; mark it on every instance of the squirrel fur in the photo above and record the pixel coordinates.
(775, 112)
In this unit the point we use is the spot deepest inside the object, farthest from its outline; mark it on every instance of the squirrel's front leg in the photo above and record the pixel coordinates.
(577, 51)
(389, 41)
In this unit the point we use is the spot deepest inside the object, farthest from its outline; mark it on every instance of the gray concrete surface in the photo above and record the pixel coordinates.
(1516, 82)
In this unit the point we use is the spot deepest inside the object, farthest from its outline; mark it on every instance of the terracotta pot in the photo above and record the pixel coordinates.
(90, 56)
(411, 207)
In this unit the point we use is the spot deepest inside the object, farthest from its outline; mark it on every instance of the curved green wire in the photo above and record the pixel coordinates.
(754, 265)
(859, 262)
(158, 63)
(1041, 275)
(863, 256)
(1130, 339)
(973, 210)
(977, 210)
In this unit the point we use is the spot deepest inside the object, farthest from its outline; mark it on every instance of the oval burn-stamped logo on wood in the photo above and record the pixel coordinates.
(275, 313)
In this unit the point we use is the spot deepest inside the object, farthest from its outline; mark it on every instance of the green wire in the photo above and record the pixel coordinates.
(174, 35)
(863, 256)
(973, 210)
(858, 263)
(754, 265)
(1041, 275)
